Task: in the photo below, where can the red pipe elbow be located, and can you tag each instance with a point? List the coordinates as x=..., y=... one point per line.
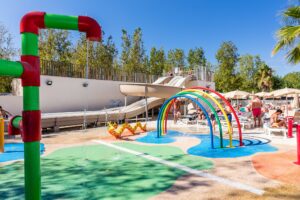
x=32, y=22
x=11, y=129
x=90, y=27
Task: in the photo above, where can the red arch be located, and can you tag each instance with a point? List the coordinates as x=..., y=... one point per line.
x=167, y=115
x=229, y=105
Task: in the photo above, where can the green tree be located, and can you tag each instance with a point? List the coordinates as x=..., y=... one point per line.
x=55, y=45
x=196, y=57
x=157, y=61
x=101, y=56
x=277, y=82
x=126, y=46
x=105, y=56
x=176, y=58
x=264, y=78
x=288, y=35
x=146, y=65
x=225, y=75
x=7, y=52
x=291, y=80
x=80, y=55
x=248, y=67
x=137, y=52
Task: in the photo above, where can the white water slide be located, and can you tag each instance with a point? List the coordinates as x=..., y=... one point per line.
x=155, y=95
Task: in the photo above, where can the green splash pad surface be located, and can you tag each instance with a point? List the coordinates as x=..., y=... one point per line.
x=100, y=172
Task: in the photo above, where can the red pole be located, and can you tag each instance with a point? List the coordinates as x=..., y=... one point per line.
x=298, y=145
x=166, y=117
x=290, y=127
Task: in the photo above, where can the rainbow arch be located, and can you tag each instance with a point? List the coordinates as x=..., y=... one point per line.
x=192, y=94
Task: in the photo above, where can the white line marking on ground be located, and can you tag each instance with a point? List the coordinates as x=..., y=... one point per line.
x=218, y=179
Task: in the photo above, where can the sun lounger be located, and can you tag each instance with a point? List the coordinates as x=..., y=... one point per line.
x=269, y=130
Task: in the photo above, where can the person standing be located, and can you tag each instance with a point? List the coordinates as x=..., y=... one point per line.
x=229, y=115
x=200, y=114
x=256, y=106
x=176, y=110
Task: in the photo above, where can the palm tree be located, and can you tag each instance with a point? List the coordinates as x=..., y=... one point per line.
x=288, y=35
x=264, y=78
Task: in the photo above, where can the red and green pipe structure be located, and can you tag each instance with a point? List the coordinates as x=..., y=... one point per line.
x=193, y=95
x=29, y=125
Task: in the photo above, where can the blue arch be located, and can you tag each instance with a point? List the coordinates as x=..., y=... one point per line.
x=159, y=128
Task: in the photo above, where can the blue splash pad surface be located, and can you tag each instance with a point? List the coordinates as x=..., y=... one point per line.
x=152, y=138
x=15, y=151
x=251, y=146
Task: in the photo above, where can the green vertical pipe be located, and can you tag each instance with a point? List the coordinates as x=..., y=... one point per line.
x=32, y=149
x=10, y=68
x=32, y=170
x=31, y=98
x=30, y=44
x=61, y=21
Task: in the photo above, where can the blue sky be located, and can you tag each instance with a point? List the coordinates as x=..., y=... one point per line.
x=250, y=24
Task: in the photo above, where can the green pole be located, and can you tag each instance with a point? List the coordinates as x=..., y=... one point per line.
x=10, y=68
x=32, y=168
x=32, y=149
x=61, y=21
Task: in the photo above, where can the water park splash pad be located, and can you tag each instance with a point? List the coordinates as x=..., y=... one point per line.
x=250, y=147
x=211, y=145
x=15, y=151
x=196, y=94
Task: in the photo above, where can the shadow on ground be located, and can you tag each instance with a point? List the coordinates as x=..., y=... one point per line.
x=98, y=172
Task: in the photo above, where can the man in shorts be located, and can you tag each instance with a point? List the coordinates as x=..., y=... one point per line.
x=256, y=106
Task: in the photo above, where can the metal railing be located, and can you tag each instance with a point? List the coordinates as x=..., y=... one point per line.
x=201, y=73
x=64, y=69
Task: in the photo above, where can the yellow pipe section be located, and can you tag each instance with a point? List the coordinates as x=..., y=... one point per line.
x=1, y=135
x=204, y=94
x=164, y=118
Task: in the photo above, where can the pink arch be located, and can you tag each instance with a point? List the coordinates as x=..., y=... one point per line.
x=229, y=105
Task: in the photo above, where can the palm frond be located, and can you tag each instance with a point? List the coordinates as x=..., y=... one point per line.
x=287, y=37
x=291, y=16
x=288, y=33
x=293, y=12
x=293, y=56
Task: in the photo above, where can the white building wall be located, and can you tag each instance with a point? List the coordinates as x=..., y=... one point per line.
x=13, y=104
x=68, y=94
